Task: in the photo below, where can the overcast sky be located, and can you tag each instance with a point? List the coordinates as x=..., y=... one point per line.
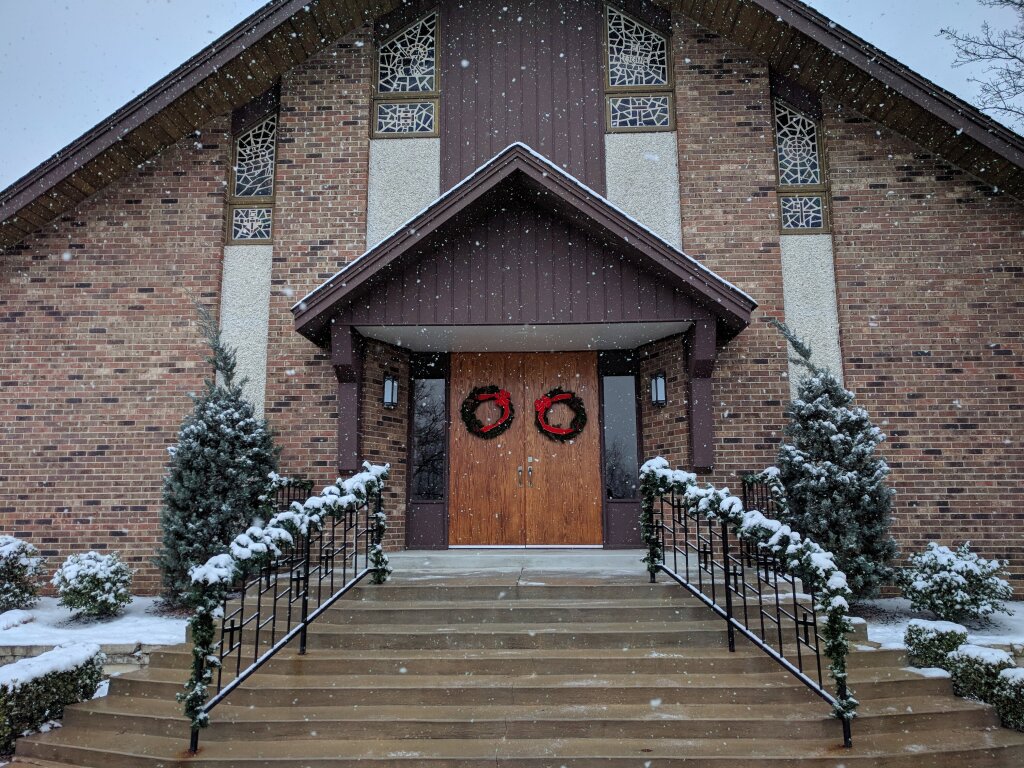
x=65, y=65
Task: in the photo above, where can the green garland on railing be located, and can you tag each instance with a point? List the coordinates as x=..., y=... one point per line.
x=651, y=486
x=802, y=558
x=770, y=477
x=212, y=581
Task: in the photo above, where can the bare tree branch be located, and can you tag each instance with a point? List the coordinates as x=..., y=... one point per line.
x=1002, y=53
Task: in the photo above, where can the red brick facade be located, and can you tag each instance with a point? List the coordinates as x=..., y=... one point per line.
x=100, y=348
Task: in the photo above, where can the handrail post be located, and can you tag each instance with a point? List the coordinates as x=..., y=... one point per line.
x=728, y=592
x=305, y=595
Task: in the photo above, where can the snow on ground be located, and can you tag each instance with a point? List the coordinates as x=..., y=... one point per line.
x=53, y=624
x=887, y=620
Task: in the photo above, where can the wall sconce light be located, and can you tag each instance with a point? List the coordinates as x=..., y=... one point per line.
x=390, y=392
x=658, y=397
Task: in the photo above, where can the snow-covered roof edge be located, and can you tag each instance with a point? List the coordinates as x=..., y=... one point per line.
x=300, y=304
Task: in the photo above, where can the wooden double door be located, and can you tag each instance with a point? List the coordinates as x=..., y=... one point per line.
x=522, y=488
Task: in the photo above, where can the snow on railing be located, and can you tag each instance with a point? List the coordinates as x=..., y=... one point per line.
x=311, y=552
x=770, y=549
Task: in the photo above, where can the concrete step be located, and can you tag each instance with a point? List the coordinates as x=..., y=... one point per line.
x=527, y=611
x=925, y=749
x=322, y=690
x=519, y=721
x=411, y=591
x=497, y=661
x=693, y=634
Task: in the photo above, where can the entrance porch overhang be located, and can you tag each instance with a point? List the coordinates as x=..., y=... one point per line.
x=520, y=256
x=579, y=337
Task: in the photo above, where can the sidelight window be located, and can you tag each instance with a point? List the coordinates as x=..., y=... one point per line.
x=429, y=440
x=620, y=437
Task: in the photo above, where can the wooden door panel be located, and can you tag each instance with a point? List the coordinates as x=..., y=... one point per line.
x=485, y=498
x=563, y=497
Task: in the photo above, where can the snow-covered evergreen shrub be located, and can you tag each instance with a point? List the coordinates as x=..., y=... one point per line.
x=975, y=670
x=218, y=480
x=834, y=479
x=1009, y=698
x=21, y=567
x=930, y=642
x=35, y=690
x=956, y=586
x=95, y=584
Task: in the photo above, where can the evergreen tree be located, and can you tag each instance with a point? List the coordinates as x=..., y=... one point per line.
x=834, y=479
x=217, y=481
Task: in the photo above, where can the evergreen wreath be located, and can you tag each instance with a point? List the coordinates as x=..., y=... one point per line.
x=482, y=395
x=561, y=434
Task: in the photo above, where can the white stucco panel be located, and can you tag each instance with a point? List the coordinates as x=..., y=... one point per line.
x=245, y=314
x=809, y=293
x=642, y=175
x=405, y=177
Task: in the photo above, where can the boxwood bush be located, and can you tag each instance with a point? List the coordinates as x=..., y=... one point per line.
x=95, y=584
x=975, y=670
x=36, y=690
x=955, y=586
x=21, y=568
x=1009, y=698
x=930, y=642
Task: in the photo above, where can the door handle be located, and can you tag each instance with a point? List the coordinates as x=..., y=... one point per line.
x=529, y=475
x=520, y=476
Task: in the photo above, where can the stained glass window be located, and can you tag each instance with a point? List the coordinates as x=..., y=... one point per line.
x=637, y=61
x=405, y=117
x=796, y=138
x=254, y=160
x=407, y=63
x=802, y=211
x=632, y=112
x=251, y=223
x=637, y=56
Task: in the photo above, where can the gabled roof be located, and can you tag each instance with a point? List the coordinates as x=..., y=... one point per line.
x=792, y=37
x=565, y=194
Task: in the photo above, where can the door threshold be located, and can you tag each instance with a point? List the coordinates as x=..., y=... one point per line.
x=526, y=546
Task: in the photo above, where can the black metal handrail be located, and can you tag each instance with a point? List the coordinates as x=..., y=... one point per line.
x=267, y=609
x=749, y=587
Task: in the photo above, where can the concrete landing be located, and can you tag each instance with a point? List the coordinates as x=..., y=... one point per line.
x=520, y=567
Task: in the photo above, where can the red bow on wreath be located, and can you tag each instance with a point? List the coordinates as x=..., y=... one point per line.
x=543, y=404
x=504, y=400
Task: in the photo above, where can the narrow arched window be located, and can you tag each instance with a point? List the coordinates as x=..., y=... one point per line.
x=407, y=89
x=802, y=198
x=639, y=75
x=251, y=190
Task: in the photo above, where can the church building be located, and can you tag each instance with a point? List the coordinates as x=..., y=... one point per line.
x=515, y=249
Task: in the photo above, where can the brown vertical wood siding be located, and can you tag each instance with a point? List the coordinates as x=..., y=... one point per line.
x=513, y=266
x=535, y=74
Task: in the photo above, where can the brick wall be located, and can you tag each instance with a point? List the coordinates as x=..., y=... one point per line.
x=930, y=273
x=665, y=430
x=99, y=351
x=319, y=225
x=727, y=177
x=385, y=431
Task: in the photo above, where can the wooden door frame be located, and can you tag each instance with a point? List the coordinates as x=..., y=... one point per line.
x=436, y=513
